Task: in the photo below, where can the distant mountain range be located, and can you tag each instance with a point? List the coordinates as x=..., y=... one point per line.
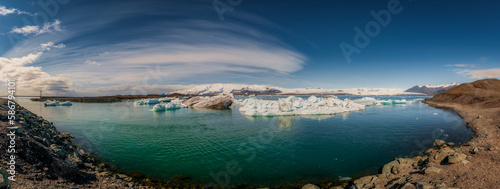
x=431, y=89
x=210, y=89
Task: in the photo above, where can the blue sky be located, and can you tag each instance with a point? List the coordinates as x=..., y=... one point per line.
x=69, y=47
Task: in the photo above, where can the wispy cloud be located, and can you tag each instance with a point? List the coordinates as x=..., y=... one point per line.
x=460, y=65
x=49, y=27
x=478, y=74
x=91, y=62
x=190, y=50
x=6, y=11
x=50, y=45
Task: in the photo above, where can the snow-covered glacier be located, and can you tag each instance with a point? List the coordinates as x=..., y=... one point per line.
x=297, y=106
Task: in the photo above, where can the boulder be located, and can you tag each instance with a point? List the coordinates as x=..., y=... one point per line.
x=432, y=170
x=423, y=185
x=475, y=150
x=59, y=151
x=121, y=176
x=456, y=157
x=387, y=169
x=441, y=155
x=408, y=186
x=450, y=144
x=310, y=186
x=75, y=160
x=4, y=178
x=365, y=180
x=439, y=143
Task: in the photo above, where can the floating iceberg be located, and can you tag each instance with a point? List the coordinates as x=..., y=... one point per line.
x=159, y=107
x=51, y=103
x=220, y=101
x=370, y=101
x=178, y=102
x=399, y=101
x=57, y=103
x=298, y=106
x=367, y=101
x=386, y=102
x=146, y=101
x=67, y=103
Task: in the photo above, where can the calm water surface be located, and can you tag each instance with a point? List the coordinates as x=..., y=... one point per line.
x=203, y=144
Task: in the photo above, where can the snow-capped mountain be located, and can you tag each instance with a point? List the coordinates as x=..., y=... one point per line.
x=432, y=89
x=210, y=89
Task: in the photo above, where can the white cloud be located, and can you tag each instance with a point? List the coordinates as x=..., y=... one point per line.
x=92, y=62
x=48, y=46
x=477, y=74
x=49, y=27
x=6, y=11
x=130, y=89
x=31, y=79
x=14, y=62
x=275, y=59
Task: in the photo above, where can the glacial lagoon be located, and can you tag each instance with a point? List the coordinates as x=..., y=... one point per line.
x=226, y=146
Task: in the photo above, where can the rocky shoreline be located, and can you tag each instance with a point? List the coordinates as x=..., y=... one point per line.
x=475, y=164
x=46, y=158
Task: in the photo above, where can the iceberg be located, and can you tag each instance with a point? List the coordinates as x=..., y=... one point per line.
x=51, y=103
x=146, y=101
x=386, y=102
x=220, y=101
x=67, y=103
x=164, y=107
x=399, y=101
x=297, y=106
x=367, y=101
x=57, y=103
x=158, y=108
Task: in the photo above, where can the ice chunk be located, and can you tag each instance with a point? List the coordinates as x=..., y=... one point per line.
x=147, y=101
x=399, y=101
x=158, y=108
x=52, y=103
x=67, y=103
x=386, y=102
x=297, y=106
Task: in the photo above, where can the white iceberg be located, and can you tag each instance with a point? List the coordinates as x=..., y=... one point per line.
x=67, y=103
x=367, y=101
x=57, y=103
x=146, y=101
x=399, y=101
x=297, y=106
x=158, y=108
x=51, y=103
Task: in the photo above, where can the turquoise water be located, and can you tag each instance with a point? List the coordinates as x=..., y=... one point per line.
x=227, y=147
